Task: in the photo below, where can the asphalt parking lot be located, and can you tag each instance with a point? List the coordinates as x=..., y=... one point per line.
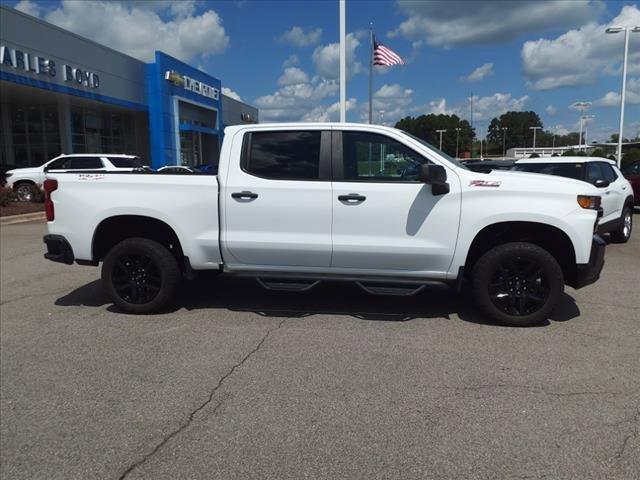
x=237, y=382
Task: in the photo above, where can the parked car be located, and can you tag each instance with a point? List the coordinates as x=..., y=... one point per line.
x=176, y=169
x=632, y=173
x=295, y=204
x=487, y=165
x=23, y=180
x=616, y=191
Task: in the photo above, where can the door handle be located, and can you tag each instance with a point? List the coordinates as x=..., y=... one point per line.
x=244, y=194
x=352, y=197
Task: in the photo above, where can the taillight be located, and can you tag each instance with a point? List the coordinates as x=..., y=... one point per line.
x=49, y=186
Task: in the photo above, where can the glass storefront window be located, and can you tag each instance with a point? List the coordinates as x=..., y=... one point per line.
x=35, y=134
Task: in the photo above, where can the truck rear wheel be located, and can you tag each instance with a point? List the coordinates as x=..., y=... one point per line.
x=517, y=284
x=140, y=275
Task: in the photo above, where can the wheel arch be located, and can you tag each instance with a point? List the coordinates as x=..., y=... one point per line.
x=113, y=230
x=546, y=236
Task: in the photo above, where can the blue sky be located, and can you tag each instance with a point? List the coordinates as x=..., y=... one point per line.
x=282, y=56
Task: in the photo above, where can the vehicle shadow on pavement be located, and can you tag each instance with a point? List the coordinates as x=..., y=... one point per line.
x=328, y=298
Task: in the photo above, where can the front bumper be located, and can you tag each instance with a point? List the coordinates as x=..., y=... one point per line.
x=588, y=273
x=58, y=249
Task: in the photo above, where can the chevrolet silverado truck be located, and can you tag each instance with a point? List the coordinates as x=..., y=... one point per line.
x=295, y=204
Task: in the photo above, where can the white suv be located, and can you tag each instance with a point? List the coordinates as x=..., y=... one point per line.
x=617, y=193
x=23, y=180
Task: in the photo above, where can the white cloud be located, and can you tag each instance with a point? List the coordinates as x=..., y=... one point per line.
x=485, y=108
x=296, y=101
x=578, y=57
x=293, y=76
x=326, y=58
x=298, y=37
x=328, y=114
x=394, y=100
x=459, y=22
x=479, y=73
x=551, y=110
x=612, y=99
x=291, y=61
x=230, y=93
x=140, y=28
x=28, y=7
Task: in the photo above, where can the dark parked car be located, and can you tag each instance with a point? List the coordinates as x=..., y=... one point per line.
x=632, y=173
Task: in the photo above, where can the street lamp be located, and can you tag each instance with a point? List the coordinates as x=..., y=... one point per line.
x=553, y=143
x=583, y=119
x=457, y=138
x=534, y=136
x=504, y=141
x=441, y=132
x=626, y=31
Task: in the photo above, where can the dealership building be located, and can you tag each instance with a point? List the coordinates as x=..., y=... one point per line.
x=62, y=93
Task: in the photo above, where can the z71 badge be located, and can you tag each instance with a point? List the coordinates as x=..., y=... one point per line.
x=484, y=183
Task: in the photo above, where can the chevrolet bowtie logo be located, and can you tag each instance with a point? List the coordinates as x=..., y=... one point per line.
x=174, y=77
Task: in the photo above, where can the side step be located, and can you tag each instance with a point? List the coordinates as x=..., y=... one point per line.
x=399, y=289
x=287, y=285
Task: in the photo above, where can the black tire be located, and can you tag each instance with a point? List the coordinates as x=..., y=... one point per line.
x=140, y=275
x=517, y=284
x=623, y=233
x=24, y=191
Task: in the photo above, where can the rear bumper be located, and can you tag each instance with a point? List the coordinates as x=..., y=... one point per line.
x=588, y=273
x=58, y=249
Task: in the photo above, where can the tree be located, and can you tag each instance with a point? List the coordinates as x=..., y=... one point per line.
x=599, y=152
x=425, y=127
x=569, y=153
x=630, y=156
x=518, y=133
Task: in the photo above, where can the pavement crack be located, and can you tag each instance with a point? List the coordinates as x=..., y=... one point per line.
x=199, y=408
x=636, y=431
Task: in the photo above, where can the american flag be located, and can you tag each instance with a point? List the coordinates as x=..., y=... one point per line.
x=385, y=56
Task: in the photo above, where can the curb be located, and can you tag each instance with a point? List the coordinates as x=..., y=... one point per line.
x=26, y=217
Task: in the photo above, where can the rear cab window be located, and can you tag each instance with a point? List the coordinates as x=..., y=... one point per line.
x=284, y=155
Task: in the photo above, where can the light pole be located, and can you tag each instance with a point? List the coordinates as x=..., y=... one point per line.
x=534, y=136
x=626, y=31
x=457, y=138
x=504, y=141
x=583, y=119
x=441, y=132
x=581, y=107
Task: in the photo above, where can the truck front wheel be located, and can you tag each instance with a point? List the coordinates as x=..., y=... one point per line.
x=517, y=284
x=140, y=275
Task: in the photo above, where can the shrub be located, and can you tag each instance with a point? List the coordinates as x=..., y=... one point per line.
x=6, y=196
x=534, y=155
x=630, y=156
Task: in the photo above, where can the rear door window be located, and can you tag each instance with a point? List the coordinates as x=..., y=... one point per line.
x=594, y=172
x=288, y=155
x=84, y=163
x=608, y=172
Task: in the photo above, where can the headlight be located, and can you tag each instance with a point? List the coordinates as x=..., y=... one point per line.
x=591, y=202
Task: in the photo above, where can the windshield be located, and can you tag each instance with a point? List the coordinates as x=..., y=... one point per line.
x=439, y=152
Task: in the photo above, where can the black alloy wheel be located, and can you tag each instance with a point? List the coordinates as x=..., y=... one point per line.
x=517, y=283
x=519, y=286
x=136, y=278
x=140, y=275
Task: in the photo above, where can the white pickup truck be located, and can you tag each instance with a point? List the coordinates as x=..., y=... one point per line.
x=294, y=204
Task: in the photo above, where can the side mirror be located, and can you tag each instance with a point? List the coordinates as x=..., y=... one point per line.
x=436, y=176
x=601, y=183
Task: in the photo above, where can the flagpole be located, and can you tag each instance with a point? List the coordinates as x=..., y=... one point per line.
x=343, y=63
x=370, y=73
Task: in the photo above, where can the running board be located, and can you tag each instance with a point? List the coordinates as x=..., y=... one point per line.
x=399, y=290
x=287, y=285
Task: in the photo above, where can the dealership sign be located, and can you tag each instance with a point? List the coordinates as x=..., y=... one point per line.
x=192, y=85
x=19, y=60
